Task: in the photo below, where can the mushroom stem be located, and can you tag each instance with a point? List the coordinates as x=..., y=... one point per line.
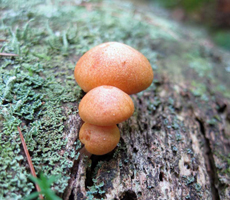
x=83, y=152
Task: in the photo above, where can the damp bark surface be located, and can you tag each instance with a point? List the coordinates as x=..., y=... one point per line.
x=175, y=146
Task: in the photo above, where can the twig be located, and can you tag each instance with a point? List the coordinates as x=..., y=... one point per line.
x=29, y=160
x=8, y=54
x=2, y=40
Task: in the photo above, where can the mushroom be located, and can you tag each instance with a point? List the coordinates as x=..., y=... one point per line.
x=99, y=140
x=105, y=106
x=114, y=64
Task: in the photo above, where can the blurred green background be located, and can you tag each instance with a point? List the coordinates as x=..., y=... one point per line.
x=213, y=14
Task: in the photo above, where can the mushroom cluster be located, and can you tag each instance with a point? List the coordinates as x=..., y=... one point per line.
x=109, y=73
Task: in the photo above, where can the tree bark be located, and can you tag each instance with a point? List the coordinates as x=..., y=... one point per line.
x=168, y=150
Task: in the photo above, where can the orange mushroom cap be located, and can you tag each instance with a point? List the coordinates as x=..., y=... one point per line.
x=114, y=64
x=99, y=140
x=105, y=106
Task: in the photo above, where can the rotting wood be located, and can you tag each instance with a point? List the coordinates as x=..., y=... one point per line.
x=161, y=154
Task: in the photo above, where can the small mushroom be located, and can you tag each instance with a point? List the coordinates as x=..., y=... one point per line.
x=99, y=140
x=114, y=64
x=105, y=106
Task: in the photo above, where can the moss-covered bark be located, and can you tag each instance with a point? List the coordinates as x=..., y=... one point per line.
x=175, y=146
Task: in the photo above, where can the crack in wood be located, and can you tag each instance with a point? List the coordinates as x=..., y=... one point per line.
x=211, y=169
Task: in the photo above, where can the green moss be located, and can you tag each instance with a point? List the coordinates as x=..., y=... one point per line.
x=198, y=187
x=221, y=38
x=225, y=159
x=178, y=136
x=33, y=103
x=189, y=180
x=212, y=122
x=201, y=65
x=37, y=88
x=200, y=90
x=96, y=189
x=222, y=89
